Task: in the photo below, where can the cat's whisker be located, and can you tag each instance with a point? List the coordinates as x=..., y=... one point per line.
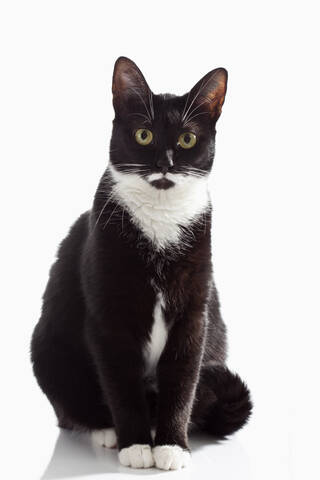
x=192, y=102
x=122, y=219
x=202, y=86
x=147, y=119
x=133, y=172
x=113, y=211
x=144, y=103
x=109, y=198
x=196, y=172
x=193, y=174
x=185, y=105
x=151, y=104
x=189, y=119
x=132, y=165
x=204, y=218
x=194, y=109
x=195, y=168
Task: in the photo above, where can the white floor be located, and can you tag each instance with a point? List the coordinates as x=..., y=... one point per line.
x=75, y=456
x=66, y=455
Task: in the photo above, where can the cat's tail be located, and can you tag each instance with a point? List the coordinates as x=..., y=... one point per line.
x=223, y=404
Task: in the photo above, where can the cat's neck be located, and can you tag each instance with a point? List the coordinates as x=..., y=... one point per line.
x=161, y=214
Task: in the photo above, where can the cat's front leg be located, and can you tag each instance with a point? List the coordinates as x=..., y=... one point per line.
x=178, y=373
x=119, y=365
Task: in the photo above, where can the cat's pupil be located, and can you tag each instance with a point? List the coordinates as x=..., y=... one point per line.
x=144, y=135
x=187, y=138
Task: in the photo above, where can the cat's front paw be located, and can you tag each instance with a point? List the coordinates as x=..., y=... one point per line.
x=136, y=456
x=170, y=457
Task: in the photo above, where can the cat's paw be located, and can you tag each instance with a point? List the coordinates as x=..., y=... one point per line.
x=170, y=457
x=105, y=438
x=136, y=456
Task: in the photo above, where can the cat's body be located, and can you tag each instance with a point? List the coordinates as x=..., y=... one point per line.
x=131, y=334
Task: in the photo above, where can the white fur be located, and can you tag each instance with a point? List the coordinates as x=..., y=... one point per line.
x=170, y=457
x=136, y=456
x=169, y=154
x=154, y=176
x=105, y=438
x=160, y=213
x=158, y=336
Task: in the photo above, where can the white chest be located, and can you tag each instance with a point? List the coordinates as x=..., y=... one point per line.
x=160, y=214
x=158, y=336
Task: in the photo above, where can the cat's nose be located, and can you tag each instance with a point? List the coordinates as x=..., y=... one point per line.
x=165, y=162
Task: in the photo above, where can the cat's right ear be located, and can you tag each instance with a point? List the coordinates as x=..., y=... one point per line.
x=128, y=85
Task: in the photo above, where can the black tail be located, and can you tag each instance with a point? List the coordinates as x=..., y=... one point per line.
x=223, y=403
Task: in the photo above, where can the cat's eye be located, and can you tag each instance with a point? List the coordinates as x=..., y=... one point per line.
x=187, y=140
x=143, y=136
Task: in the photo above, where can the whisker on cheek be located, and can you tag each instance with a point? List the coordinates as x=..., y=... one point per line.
x=131, y=165
x=134, y=172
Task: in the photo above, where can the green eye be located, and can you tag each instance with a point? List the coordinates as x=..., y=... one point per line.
x=187, y=140
x=143, y=136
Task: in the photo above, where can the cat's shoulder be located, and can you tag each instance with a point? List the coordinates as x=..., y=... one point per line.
x=76, y=236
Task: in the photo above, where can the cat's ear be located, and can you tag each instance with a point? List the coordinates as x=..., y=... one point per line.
x=129, y=84
x=208, y=94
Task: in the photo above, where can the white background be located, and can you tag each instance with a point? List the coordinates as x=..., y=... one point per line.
x=56, y=66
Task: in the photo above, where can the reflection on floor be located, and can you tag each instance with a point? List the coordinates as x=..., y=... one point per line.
x=75, y=456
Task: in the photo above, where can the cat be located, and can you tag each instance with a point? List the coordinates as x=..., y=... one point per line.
x=130, y=336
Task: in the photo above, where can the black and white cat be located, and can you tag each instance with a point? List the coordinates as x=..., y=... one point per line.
x=131, y=336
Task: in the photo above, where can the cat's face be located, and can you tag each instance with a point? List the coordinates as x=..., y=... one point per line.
x=164, y=139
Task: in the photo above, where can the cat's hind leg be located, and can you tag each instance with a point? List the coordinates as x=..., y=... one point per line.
x=105, y=438
x=222, y=403
x=66, y=376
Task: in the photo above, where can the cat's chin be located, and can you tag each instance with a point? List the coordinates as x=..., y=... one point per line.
x=162, y=183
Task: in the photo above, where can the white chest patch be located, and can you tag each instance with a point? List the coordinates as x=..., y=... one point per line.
x=160, y=213
x=158, y=336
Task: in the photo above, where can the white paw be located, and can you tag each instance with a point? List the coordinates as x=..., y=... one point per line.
x=105, y=438
x=136, y=456
x=170, y=457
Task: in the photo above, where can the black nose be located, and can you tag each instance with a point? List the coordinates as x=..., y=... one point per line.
x=165, y=162
x=164, y=168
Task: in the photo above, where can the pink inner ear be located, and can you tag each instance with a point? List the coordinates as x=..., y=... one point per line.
x=210, y=91
x=126, y=77
x=122, y=80
x=126, y=82
x=216, y=100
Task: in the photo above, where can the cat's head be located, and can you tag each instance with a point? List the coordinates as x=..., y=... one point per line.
x=165, y=139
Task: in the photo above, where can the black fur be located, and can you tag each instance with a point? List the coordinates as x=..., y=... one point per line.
x=98, y=305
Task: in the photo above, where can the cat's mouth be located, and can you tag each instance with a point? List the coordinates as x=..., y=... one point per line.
x=160, y=181
x=163, y=183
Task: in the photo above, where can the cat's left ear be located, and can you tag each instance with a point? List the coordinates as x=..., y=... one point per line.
x=209, y=94
x=128, y=84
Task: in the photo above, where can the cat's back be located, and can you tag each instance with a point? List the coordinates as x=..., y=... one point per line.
x=63, y=304
x=58, y=350
x=73, y=243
